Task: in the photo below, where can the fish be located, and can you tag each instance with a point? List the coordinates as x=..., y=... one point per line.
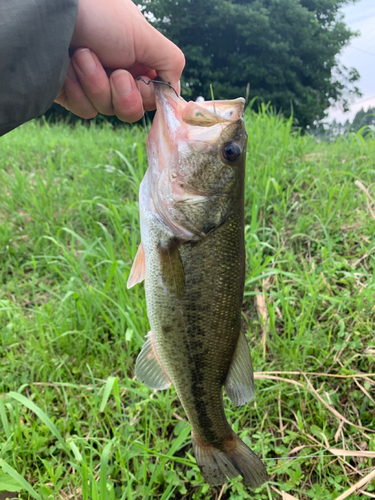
x=192, y=258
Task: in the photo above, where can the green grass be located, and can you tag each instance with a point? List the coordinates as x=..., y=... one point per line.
x=74, y=421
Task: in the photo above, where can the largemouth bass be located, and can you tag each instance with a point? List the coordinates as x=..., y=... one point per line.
x=192, y=258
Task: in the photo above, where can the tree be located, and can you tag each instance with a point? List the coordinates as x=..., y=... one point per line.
x=364, y=119
x=285, y=49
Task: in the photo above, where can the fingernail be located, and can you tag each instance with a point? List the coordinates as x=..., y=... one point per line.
x=123, y=83
x=85, y=61
x=71, y=73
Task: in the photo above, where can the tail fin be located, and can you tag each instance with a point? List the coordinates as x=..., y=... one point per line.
x=232, y=460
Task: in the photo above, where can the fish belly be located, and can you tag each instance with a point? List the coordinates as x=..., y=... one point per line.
x=196, y=334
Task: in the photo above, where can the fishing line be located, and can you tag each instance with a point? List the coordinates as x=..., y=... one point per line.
x=143, y=109
x=159, y=81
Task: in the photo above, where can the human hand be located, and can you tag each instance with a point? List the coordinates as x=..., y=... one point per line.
x=113, y=44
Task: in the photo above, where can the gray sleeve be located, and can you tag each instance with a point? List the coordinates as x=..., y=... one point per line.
x=34, y=42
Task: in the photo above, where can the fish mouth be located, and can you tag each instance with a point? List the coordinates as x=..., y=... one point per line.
x=174, y=111
x=201, y=125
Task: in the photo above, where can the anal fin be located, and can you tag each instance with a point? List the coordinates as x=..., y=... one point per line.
x=148, y=368
x=239, y=384
x=138, y=270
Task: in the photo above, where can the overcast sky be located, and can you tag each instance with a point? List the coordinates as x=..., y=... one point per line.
x=360, y=54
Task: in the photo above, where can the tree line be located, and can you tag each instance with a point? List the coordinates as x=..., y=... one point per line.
x=363, y=122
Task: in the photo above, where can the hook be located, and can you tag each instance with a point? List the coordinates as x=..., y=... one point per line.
x=158, y=81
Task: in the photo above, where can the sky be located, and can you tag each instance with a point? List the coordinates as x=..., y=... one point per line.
x=360, y=54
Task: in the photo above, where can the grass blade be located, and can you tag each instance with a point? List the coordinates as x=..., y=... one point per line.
x=103, y=470
x=4, y=419
x=43, y=417
x=20, y=480
x=107, y=392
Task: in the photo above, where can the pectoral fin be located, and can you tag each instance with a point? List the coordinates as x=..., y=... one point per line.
x=148, y=368
x=138, y=271
x=173, y=275
x=239, y=383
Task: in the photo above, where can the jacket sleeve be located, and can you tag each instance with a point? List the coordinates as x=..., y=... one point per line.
x=34, y=42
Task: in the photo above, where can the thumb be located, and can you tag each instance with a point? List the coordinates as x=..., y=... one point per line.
x=160, y=54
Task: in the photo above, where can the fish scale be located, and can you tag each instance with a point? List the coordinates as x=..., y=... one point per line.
x=205, y=323
x=192, y=258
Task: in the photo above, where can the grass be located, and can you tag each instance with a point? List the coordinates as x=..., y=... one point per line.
x=75, y=423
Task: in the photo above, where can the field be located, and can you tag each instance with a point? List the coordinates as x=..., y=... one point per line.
x=74, y=421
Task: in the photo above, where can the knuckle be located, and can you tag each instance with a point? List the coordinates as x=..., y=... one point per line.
x=95, y=88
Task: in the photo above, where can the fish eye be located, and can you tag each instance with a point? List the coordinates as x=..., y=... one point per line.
x=231, y=151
